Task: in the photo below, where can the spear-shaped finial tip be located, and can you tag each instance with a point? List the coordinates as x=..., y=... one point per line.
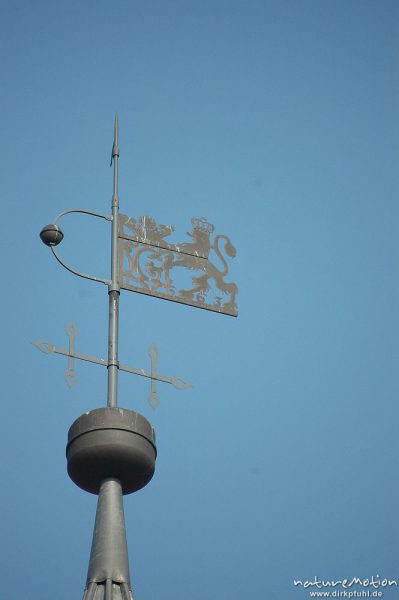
x=115, y=147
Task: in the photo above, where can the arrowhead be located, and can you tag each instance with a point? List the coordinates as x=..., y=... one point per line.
x=153, y=400
x=153, y=351
x=70, y=378
x=115, y=147
x=180, y=384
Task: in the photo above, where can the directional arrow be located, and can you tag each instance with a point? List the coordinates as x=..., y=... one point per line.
x=70, y=377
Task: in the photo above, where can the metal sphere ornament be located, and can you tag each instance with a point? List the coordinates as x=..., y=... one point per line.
x=51, y=235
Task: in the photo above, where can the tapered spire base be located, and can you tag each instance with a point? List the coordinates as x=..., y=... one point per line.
x=110, y=591
x=108, y=577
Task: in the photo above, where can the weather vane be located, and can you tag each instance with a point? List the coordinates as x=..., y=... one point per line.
x=111, y=451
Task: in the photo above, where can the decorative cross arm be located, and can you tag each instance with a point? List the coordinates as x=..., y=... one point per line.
x=70, y=377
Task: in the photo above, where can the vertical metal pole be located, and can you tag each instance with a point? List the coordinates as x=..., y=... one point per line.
x=114, y=288
x=109, y=555
x=108, y=589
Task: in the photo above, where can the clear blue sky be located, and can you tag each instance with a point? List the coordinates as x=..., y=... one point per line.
x=278, y=121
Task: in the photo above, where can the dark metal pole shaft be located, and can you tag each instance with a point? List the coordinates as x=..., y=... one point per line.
x=114, y=288
x=109, y=557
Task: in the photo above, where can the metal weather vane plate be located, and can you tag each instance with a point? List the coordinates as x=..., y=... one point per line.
x=149, y=264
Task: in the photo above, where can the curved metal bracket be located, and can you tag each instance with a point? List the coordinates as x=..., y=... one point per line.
x=83, y=211
x=58, y=257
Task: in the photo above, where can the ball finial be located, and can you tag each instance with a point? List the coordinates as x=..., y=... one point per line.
x=51, y=235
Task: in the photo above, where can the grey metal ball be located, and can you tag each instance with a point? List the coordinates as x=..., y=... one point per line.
x=51, y=235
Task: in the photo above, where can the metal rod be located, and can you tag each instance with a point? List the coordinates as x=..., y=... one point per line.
x=108, y=589
x=83, y=211
x=74, y=271
x=114, y=288
x=178, y=382
x=61, y=260
x=109, y=554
